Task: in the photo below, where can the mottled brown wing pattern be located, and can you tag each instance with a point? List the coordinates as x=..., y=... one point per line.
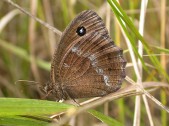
x=87, y=64
x=104, y=72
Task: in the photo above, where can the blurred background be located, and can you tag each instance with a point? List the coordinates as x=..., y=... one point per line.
x=26, y=48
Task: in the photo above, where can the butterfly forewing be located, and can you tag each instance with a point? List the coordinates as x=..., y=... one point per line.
x=86, y=63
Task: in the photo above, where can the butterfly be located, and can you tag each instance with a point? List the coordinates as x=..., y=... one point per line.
x=86, y=63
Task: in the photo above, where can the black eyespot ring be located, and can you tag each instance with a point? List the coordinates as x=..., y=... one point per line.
x=81, y=31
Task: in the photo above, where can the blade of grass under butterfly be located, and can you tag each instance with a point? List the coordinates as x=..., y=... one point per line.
x=19, y=106
x=22, y=121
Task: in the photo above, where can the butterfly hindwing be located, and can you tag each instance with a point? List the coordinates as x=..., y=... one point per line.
x=87, y=63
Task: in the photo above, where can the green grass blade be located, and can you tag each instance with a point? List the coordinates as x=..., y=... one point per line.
x=23, y=54
x=161, y=49
x=22, y=121
x=122, y=17
x=106, y=119
x=18, y=106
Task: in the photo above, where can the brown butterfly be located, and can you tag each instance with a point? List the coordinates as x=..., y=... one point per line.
x=86, y=63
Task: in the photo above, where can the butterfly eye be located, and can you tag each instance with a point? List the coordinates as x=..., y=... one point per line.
x=81, y=31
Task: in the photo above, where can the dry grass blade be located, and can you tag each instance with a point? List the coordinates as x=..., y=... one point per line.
x=35, y=18
x=139, y=80
x=49, y=18
x=148, y=94
x=7, y=18
x=32, y=36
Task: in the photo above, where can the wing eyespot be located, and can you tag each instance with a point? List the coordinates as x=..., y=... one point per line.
x=81, y=31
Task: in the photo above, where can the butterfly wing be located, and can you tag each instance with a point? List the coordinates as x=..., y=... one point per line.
x=87, y=63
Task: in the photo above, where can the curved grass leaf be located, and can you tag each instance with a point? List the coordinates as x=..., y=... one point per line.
x=106, y=119
x=123, y=18
x=19, y=106
x=21, y=121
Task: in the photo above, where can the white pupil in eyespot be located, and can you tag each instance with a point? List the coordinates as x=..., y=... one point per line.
x=81, y=30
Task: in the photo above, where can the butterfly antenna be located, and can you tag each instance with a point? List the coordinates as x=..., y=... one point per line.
x=29, y=83
x=33, y=82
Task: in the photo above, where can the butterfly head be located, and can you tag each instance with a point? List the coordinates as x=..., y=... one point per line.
x=47, y=88
x=53, y=91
